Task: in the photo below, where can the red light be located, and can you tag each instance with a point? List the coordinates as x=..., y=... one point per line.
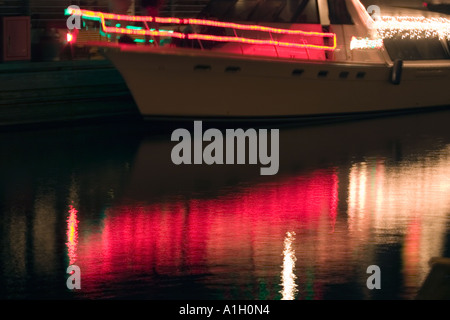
x=425, y=4
x=196, y=233
x=69, y=37
x=102, y=16
x=253, y=27
x=257, y=42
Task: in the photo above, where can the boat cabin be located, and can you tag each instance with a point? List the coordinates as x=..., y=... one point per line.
x=329, y=30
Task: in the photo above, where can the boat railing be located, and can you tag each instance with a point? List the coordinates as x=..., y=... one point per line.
x=205, y=31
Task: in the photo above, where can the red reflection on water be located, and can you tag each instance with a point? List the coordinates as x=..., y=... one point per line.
x=72, y=234
x=242, y=231
x=411, y=252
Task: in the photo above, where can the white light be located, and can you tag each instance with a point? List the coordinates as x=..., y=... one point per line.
x=413, y=27
x=287, y=274
x=365, y=43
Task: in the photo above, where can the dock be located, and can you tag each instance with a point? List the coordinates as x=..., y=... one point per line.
x=53, y=91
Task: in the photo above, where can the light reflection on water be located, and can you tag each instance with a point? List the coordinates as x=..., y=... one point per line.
x=287, y=275
x=347, y=196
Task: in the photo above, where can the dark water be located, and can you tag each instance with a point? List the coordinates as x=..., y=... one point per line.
x=108, y=199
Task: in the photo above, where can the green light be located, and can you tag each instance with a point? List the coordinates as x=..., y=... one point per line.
x=309, y=286
x=117, y=25
x=142, y=41
x=93, y=18
x=162, y=30
x=134, y=28
x=263, y=291
x=103, y=34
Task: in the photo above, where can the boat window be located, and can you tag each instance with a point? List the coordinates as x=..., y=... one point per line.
x=360, y=75
x=338, y=12
x=416, y=49
x=307, y=12
x=288, y=11
x=217, y=9
x=297, y=72
x=268, y=10
x=242, y=10
x=344, y=75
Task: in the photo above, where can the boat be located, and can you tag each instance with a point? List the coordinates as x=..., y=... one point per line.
x=280, y=59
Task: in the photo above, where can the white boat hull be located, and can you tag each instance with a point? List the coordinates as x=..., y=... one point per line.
x=176, y=82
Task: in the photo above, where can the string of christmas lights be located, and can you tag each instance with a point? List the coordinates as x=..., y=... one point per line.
x=413, y=27
x=365, y=43
x=101, y=16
